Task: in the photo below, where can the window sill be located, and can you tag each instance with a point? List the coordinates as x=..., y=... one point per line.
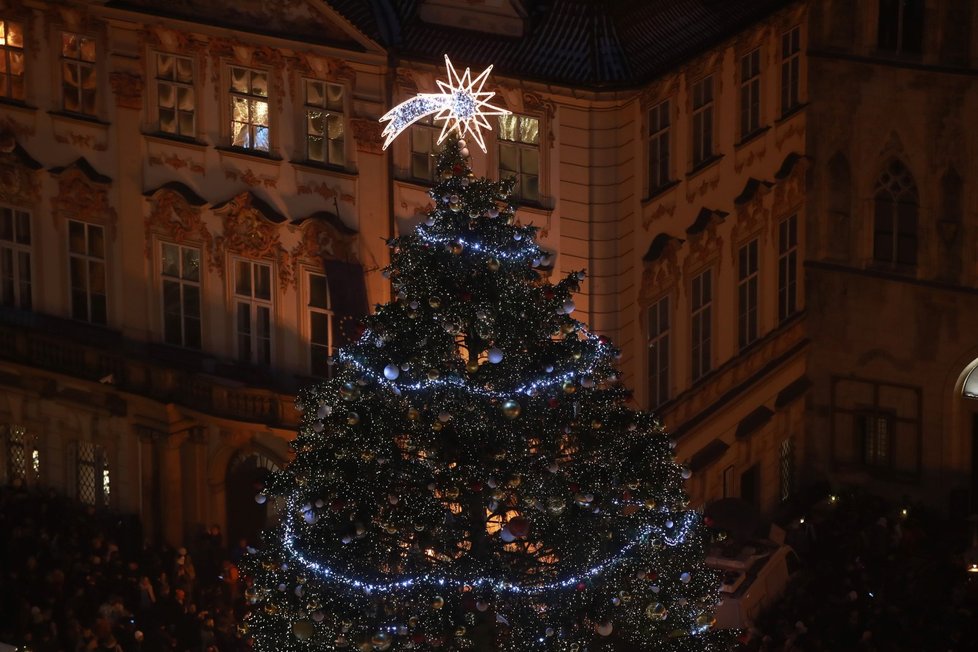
x=248, y=154
x=414, y=182
x=792, y=112
x=17, y=105
x=316, y=166
x=895, y=269
x=752, y=136
x=531, y=206
x=661, y=191
x=172, y=139
x=82, y=118
x=704, y=165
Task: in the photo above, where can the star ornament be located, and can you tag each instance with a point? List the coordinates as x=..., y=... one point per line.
x=462, y=105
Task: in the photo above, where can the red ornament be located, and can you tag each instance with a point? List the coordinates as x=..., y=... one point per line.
x=466, y=296
x=652, y=575
x=581, y=586
x=548, y=293
x=707, y=521
x=519, y=527
x=457, y=169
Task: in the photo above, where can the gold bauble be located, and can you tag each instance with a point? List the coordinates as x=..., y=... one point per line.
x=434, y=302
x=705, y=620
x=352, y=418
x=302, y=629
x=493, y=264
x=349, y=391
x=656, y=611
x=437, y=602
x=569, y=387
x=568, y=327
x=437, y=426
x=650, y=503
x=596, y=424
x=413, y=622
x=412, y=314
x=271, y=609
x=433, y=374
x=460, y=631
x=413, y=414
x=472, y=366
x=576, y=354
x=456, y=248
x=511, y=409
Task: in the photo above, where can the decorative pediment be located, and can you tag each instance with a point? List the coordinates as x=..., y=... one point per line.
x=251, y=229
x=661, y=266
x=789, y=187
x=323, y=237
x=83, y=194
x=19, y=182
x=704, y=240
x=314, y=66
x=175, y=214
x=660, y=89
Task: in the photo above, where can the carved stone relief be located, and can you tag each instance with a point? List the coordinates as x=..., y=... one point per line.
x=172, y=215
x=249, y=233
x=319, y=240
x=19, y=182
x=81, y=198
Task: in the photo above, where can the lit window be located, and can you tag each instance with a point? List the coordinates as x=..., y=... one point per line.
x=787, y=463
x=175, y=95
x=702, y=323
x=324, y=123
x=787, y=267
x=22, y=459
x=93, y=486
x=424, y=148
x=86, y=258
x=875, y=434
x=320, y=326
x=15, y=258
x=747, y=273
x=659, y=122
x=790, y=70
x=658, y=318
x=895, y=216
x=181, y=295
x=78, y=80
x=11, y=60
x=750, y=93
x=702, y=121
x=519, y=154
x=249, y=109
x=253, y=311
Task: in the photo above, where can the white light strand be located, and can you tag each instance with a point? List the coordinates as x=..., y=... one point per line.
x=458, y=382
x=522, y=252
x=674, y=538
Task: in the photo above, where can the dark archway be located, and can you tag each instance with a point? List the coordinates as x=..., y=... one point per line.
x=246, y=476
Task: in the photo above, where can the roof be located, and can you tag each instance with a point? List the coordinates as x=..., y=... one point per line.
x=585, y=43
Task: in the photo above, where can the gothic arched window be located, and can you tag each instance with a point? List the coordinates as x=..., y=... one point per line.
x=895, y=216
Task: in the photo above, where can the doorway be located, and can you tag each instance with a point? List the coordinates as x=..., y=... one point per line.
x=247, y=475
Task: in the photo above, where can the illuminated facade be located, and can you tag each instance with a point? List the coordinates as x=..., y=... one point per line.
x=191, y=216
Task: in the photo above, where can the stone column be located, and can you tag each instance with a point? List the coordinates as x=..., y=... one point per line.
x=171, y=487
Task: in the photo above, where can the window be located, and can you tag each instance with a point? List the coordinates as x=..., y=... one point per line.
x=729, y=475
x=324, y=123
x=86, y=253
x=424, y=147
x=15, y=258
x=747, y=294
x=702, y=323
x=94, y=481
x=787, y=267
x=787, y=464
x=658, y=352
x=11, y=60
x=320, y=326
x=253, y=311
x=790, y=70
x=901, y=26
x=519, y=154
x=895, y=216
x=22, y=460
x=750, y=93
x=78, y=81
x=658, y=146
x=249, y=108
x=175, y=98
x=702, y=121
x=181, y=295
x=874, y=432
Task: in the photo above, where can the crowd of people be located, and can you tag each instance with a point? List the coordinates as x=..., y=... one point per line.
x=876, y=577
x=77, y=579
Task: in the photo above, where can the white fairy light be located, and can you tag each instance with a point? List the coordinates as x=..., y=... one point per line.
x=462, y=105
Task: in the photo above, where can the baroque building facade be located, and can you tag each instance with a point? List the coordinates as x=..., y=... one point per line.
x=194, y=206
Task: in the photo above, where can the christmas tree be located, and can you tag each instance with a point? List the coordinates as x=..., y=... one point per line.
x=471, y=478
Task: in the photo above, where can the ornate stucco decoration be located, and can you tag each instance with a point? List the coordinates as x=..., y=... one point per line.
x=662, y=209
x=789, y=186
x=661, y=89
x=251, y=229
x=175, y=214
x=19, y=182
x=314, y=66
x=128, y=89
x=323, y=236
x=254, y=56
x=661, y=267
x=83, y=194
x=705, y=242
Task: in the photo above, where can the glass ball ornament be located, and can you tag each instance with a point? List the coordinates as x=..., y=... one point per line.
x=686, y=473
x=391, y=372
x=462, y=144
x=382, y=641
x=456, y=248
x=349, y=391
x=493, y=264
x=261, y=499
x=437, y=602
x=433, y=374
x=352, y=418
x=472, y=365
x=605, y=628
x=511, y=409
x=495, y=355
x=569, y=386
x=569, y=306
x=434, y=302
x=656, y=611
x=302, y=629
x=685, y=577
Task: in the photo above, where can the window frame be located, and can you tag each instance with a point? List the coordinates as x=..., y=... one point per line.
x=79, y=63
x=89, y=259
x=254, y=304
x=701, y=349
x=307, y=107
x=788, y=246
x=424, y=125
x=885, y=195
x=182, y=282
x=176, y=84
x=659, y=139
x=520, y=146
x=329, y=348
x=101, y=473
x=230, y=122
x=900, y=28
x=7, y=51
x=748, y=293
x=869, y=450
x=703, y=121
x=657, y=335
x=750, y=94
x=28, y=459
x=790, y=70
x=17, y=249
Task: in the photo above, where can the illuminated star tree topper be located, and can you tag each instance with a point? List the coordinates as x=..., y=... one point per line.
x=462, y=105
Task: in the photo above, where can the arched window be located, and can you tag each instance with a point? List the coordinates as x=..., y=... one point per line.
x=895, y=216
x=970, y=388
